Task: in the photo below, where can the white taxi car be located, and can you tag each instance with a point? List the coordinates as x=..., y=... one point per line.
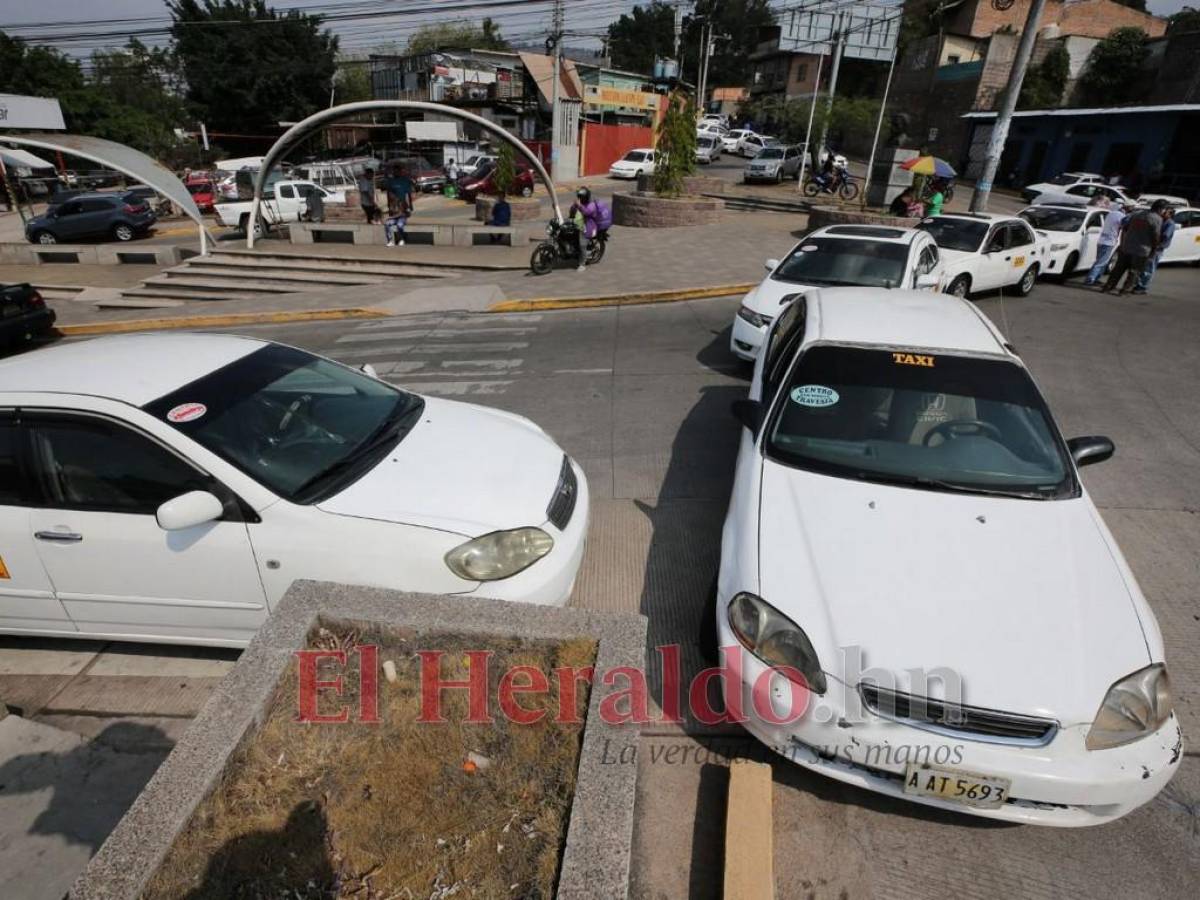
x=1071, y=233
x=1185, y=245
x=634, y=163
x=916, y=593
x=1060, y=183
x=731, y=139
x=171, y=487
x=867, y=255
x=987, y=252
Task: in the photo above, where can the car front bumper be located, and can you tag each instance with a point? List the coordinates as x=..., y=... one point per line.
x=550, y=580
x=621, y=173
x=26, y=325
x=1060, y=784
x=761, y=174
x=745, y=339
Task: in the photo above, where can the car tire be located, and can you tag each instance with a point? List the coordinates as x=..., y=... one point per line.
x=960, y=287
x=1069, y=265
x=526, y=191
x=244, y=223
x=706, y=636
x=1028, y=280
x=123, y=232
x=45, y=238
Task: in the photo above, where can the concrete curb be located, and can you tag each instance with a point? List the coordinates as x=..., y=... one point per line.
x=221, y=320
x=636, y=299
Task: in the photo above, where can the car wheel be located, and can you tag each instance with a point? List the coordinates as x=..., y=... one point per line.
x=1028, y=280
x=244, y=223
x=779, y=177
x=1069, y=265
x=527, y=191
x=123, y=232
x=707, y=636
x=45, y=237
x=960, y=286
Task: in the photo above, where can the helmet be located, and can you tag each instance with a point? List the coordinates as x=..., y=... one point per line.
x=584, y=195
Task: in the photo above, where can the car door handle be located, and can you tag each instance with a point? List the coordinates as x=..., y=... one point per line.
x=65, y=537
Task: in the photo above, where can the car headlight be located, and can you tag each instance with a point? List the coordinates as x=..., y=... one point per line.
x=499, y=554
x=1057, y=247
x=774, y=638
x=756, y=319
x=1134, y=707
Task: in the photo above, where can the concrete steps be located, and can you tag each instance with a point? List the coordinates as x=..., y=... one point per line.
x=300, y=276
x=220, y=281
x=328, y=263
x=161, y=292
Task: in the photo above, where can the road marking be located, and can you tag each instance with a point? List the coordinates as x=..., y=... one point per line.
x=583, y=371
x=392, y=350
x=356, y=338
x=483, y=363
x=454, y=388
x=484, y=346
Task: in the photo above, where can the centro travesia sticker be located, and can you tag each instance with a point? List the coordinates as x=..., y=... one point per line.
x=186, y=412
x=814, y=395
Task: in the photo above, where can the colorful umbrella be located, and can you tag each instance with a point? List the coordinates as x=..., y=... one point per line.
x=929, y=165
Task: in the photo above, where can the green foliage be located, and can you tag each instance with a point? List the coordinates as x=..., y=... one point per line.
x=243, y=78
x=740, y=21
x=506, y=171
x=1044, y=83
x=1187, y=19
x=641, y=35
x=352, y=83
x=462, y=34
x=851, y=121
x=1113, y=74
x=675, y=150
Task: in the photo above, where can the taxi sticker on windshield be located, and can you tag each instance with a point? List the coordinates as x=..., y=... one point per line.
x=912, y=359
x=809, y=248
x=814, y=395
x=3, y=569
x=186, y=412
x=1018, y=261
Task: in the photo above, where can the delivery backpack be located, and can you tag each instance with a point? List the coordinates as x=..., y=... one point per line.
x=603, y=216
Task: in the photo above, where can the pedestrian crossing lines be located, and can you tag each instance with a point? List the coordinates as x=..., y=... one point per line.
x=450, y=356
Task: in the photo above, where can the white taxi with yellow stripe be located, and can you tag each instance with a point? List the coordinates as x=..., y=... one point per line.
x=916, y=593
x=987, y=252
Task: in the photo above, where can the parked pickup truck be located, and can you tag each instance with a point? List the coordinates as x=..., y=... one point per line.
x=23, y=314
x=286, y=201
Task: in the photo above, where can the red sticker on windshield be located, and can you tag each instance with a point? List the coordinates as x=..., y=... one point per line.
x=186, y=412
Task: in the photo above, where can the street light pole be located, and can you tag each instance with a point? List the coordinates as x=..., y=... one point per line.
x=839, y=45
x=879, y=125
x=983, y=187
x=812, y=108
x=555, y=124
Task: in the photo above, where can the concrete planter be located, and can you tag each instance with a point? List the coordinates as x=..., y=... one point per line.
x=820, y=216
x=596, y=855
x=692, y=184
x=645, y=210
x=524, y=209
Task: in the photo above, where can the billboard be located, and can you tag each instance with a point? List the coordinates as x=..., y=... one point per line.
x=870, y=28
x=40, y=113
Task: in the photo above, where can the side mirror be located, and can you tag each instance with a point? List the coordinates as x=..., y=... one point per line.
x=1090, y=449
x=189, y=510
x=750, y=413
x=369, y=370
x=928, y=282
x=771, y=265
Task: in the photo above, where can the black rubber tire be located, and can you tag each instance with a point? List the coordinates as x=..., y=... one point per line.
x=960, y=286
x=779, y=177
x=1027, y=282
x=542, y=260
x=1069, y=265
x=706, y=636
x=596, y=251
x=44, y=238
x=123, y=232
x=848, y=190
x=811, y=189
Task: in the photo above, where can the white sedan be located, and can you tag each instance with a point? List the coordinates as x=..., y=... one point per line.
x=1060, y=183
x=1071, y=233
x=986, y=252
x=633, y=164
x=752, y=144
x=730, y=141
x=1185, y=246
x=916, y=594
x=171, y=487
x=867, y=255
x=1080, y=194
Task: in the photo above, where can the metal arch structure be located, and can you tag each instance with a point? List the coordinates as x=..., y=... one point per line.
x=124, y=159
x=304, y=128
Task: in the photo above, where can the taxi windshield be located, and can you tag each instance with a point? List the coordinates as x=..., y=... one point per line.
x=920, y=419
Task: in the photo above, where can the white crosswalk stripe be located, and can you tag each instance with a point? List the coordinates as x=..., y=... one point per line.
x=449, y=356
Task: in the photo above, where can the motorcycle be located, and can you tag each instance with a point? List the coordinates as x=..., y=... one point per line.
x=839, y=183
x=561, y=245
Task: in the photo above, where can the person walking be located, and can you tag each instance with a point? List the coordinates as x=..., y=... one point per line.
x=1165, y=236
x=366, y=195
x=1140, y=237
x=400, y=205
x=1106, y=242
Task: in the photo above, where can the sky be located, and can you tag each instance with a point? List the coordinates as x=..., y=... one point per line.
x=522, y=21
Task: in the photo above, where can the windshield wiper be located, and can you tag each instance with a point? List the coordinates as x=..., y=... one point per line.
x=937, y=484
x=389, y=431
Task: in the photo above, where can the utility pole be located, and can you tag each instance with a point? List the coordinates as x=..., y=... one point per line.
x=839, y=45
x=678, y=31
x=812, y=108
x=983, y=187
x=555, y=125
x=706, y=49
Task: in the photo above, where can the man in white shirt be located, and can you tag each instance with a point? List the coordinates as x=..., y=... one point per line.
x=1106, y=243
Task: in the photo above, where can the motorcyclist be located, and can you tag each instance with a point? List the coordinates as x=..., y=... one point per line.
x=586, y=216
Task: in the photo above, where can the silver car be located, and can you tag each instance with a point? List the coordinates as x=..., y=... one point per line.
x=775, y=163
x=708, y=148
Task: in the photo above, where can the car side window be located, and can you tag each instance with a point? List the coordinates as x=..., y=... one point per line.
x=997, y=241
x=73, y=208
x=1095, y=220
x=11, y=482
x=927, y=261
x=286, y=192
x=788, y=333
x=1019, y=235
x=96, y=205
x=95, y=465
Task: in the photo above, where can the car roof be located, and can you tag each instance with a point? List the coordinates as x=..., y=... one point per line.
x=894, y=234
x=978, y=217
x=901, y=318
x=133, y=368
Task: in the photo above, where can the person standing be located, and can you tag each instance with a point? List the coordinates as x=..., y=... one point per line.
x=452, y=170
x=1165, y=236
x=1106, y=242
x=934, y=206
x=1140, y=237
x=366, y=195
x=901, y=203
x=400, y=205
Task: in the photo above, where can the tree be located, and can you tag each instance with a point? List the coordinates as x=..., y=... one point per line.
x=1044, y=83
x=1113, y=74
x=506, y=171
x=44, y=72
x=352, y=83
x=737, y=25
x=136, y=99
x=1187, y=19
x=675, y=151
x=458, y=35
x=249, y=67
x=642, y=35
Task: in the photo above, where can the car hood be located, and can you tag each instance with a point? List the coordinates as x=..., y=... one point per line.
x=1024, y=599
x=462, y=468
x=766, y=298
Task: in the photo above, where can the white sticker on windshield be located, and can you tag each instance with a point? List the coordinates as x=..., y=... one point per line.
x=814, y=395
x=809, y=248
x=186, y=412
